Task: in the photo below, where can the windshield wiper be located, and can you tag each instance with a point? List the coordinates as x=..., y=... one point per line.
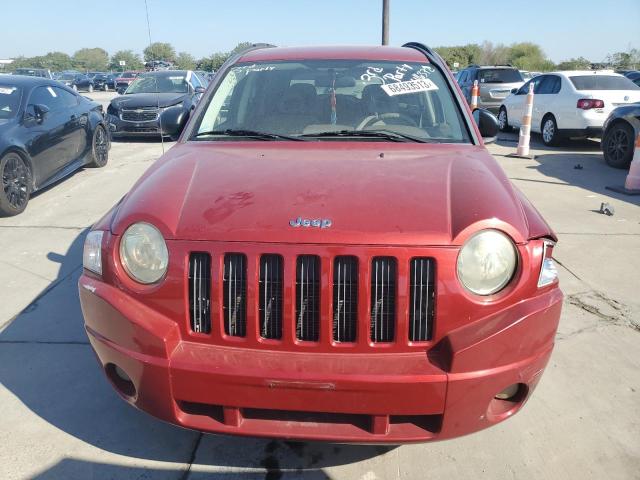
x=238, y=132
x=387, y=134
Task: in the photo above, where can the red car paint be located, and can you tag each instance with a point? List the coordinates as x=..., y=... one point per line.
x=402, y=200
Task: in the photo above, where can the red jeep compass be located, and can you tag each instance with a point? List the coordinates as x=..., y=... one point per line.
x=329, y=252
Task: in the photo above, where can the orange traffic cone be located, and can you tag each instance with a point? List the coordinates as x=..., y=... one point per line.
x=474, y=95
x=632, y=183
x=525, y=128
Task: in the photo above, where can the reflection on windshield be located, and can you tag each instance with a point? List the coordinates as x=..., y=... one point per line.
x=316, y=98
x=159, y=84
x=9, y=101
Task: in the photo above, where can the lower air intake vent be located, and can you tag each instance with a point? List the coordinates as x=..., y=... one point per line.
x=200, y=292
x=345, y=298
x=383, y=299
x=235, y=294
x=308, y=298
x=422, y=299
x=270, y=303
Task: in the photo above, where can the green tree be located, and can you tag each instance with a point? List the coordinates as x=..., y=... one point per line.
x=185, y=61
x=55, y=61
x=579, y=63
x=91, y=59
x=528, y=56
x=629, y=60
x=160, y=51
x=132, y=60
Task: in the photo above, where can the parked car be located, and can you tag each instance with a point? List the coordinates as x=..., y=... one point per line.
x=125, y=79
x=568, y=104
x=77, y=81
x=47, y=131
x=34, y=72
x=156, y=103
x=104, y=81
x=494, y=82
x=634, y=76
x=328, y=252
x=620, y=130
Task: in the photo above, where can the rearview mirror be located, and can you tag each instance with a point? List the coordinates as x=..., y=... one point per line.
x=487, y=124
x=199, y=90
x=40, y=111
x=514, y=90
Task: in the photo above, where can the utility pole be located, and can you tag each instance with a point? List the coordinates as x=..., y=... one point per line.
x=385, y=22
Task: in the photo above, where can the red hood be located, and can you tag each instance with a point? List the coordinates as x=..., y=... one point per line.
x=373, y=193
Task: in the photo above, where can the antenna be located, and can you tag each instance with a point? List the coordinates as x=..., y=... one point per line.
x=146, y=6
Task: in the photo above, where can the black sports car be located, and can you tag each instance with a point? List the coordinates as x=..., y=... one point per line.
x=47, y=131
x=155, y=104
x=620, y=130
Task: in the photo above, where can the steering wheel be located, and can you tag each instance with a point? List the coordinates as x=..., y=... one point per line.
x=401, y=119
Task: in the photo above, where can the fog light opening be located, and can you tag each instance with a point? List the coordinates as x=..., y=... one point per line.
x=120, y=380
x=510, y=392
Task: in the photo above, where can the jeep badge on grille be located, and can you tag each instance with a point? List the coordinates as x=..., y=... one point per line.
x=308, y=222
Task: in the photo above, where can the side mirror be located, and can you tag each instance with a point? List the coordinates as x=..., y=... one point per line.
x=487, y=124
x=173, y=121
x=514, y=90
x=198, y=90
x=40, y=111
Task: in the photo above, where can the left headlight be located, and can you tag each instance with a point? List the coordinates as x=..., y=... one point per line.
x=143, y=253
x=487, y=262
x=92, y=253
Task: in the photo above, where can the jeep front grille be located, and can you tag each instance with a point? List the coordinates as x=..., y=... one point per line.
x=312, y=296
x=234, y=287
x=200, y=292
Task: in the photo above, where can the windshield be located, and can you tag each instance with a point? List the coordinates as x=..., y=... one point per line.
x=128, y=75
x=9, y=101
x=67, y=76
x=152, y=83
x=602, y=82
x=500, y=75
x=316, y=98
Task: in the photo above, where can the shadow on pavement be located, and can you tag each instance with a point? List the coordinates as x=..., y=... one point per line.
x=48, y=364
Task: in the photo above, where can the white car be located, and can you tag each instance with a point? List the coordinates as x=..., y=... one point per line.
x=568, y=104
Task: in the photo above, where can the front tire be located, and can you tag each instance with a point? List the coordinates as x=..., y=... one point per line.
x=617, y=146
x=16, y=185
x=549, y=129
x=503, y=120
x=99, y=148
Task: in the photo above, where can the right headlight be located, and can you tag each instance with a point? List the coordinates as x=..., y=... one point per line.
x=143, y=253
x=487, y=262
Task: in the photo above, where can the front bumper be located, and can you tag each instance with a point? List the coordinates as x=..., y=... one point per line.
x=378, y=398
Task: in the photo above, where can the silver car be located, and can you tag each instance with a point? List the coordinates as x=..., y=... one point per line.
x=495, y=82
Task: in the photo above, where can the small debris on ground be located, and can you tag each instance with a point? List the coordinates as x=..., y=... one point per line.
x=607, y=209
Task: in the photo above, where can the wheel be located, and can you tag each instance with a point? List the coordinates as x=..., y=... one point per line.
x=99, y=148
x=90, y=88
x=16, y=184
x=503, y=120
x=617, y=145
x=550, y=135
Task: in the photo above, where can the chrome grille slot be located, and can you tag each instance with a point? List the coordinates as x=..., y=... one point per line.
x=345, y=298
x=144, y=114
x=308, y=298
x=234, y=303
x=422, y=299
x=383, y=299
x=270, y=303
x=200, y=292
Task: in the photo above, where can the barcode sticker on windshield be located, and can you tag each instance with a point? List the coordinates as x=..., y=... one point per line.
x=411, y=86
x=6, y=90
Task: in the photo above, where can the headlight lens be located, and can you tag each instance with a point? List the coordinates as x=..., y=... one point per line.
x=143, y=253
x=487, y=262
x=92, y=253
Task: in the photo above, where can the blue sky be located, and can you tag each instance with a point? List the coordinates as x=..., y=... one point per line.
x=564, y=28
